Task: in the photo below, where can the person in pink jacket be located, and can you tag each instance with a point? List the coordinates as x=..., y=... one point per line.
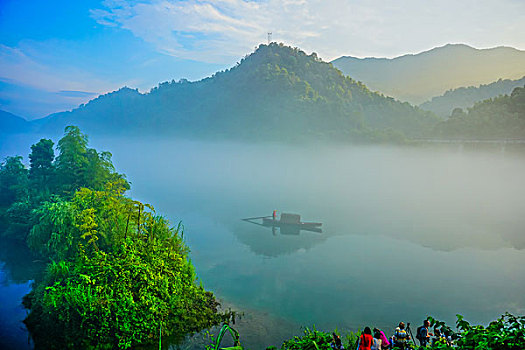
x=385, y=344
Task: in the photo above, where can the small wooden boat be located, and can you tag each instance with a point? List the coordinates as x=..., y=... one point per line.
x=288, y=223
x=288, y=220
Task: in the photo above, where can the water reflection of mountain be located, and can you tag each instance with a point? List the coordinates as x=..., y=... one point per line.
x=272, y=242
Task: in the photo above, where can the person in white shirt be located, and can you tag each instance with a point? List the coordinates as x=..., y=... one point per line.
x=376, y=345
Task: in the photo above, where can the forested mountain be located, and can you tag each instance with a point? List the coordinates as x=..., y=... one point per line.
x=10, y=123
x=465, y=97
x=502, y=117
x=277, y=92
x=417, y=78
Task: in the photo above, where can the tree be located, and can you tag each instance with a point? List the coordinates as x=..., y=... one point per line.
x=79, y=166
x=72, y=162
x=13, y=181
x=14, y=200
x=41, y=168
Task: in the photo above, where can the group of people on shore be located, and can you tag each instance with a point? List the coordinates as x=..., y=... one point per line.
x=400, y=340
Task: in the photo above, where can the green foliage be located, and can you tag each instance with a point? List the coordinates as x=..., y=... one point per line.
x=18, y=218
x=14, y=197
x=54, y=234
x=312, y=339
x=120, y=298
x=94, y=219
x=118, y=274
x=24, y=192
x=42, y=169
x=13, y=181
x=505, y=333
x=216, y=343
x=352, y=339
x=79, y=166
x=122, y=275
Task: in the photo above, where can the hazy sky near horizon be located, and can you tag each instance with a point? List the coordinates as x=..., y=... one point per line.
x=56, y=54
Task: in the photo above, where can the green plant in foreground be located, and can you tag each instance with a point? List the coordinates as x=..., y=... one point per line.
x=351, y=339
x=505, y=333
x=311, y=340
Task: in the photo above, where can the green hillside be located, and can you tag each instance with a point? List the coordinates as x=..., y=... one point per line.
x=276, y=93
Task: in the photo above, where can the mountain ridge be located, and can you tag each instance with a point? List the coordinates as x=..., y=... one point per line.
x=418, y=77
x=11, y=123
x=437, y=48
x=277, y=92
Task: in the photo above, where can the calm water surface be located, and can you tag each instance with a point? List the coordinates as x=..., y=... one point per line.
x=406, y=233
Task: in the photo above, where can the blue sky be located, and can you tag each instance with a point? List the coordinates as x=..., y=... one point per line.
x=57, y=54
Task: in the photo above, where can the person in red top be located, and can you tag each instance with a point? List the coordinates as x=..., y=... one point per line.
x=366, y=340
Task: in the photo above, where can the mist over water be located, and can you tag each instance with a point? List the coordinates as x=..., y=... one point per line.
x=407, y=232
x=441, y=199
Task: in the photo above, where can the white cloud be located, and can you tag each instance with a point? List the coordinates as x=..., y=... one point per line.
x=222, y=30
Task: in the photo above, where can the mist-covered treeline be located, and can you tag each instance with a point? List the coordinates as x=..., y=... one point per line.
x=465, y=97
x=498, y=118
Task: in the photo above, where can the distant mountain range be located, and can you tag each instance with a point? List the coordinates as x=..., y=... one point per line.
x=10, y=123
x=466, y=97
x=276, y=93
x=417, y=78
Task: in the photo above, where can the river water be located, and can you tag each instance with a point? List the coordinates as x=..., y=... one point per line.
x=406, y=232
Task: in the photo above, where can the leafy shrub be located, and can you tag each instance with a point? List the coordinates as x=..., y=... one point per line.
x=311, y=340
x=505, y=333
x=120, y=298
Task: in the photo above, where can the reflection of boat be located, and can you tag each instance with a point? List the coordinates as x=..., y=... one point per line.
x=288, y=223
